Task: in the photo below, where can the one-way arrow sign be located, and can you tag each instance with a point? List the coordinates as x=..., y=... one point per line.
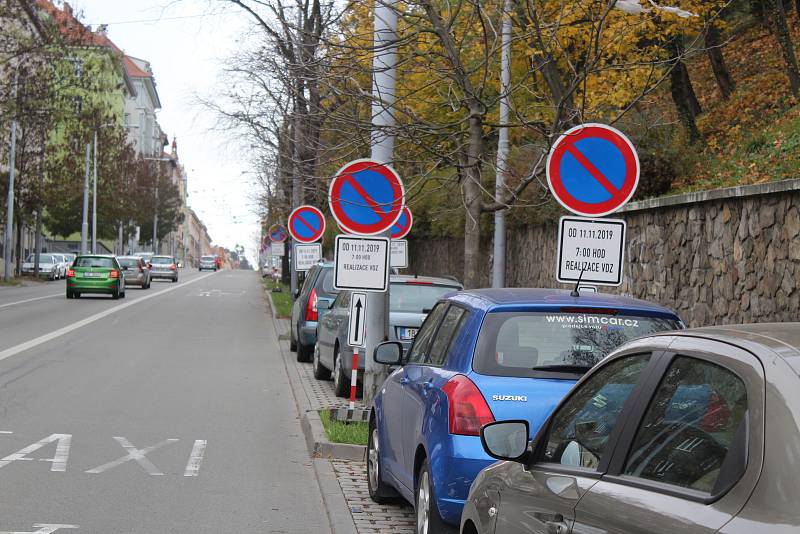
x=358, y=312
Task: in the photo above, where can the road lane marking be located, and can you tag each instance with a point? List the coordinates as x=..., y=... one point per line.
x=5, y=432
x=134, y=454
x=29, y=300
x=42, y=528
x=196, y=458
x=7, y=353
x=59, y=461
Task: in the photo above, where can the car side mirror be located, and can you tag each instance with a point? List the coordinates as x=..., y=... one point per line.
x=506, y=440
x=388, y=353
x=296, y=293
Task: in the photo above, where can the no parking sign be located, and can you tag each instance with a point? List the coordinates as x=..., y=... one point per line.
x=593, y=170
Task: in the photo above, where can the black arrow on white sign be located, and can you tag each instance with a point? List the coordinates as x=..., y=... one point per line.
x=358, y=312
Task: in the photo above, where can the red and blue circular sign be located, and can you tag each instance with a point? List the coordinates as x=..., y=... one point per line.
x=277, y=233
x=366, y=197
x=306, y=224
x=402, y=227
x=593, y=170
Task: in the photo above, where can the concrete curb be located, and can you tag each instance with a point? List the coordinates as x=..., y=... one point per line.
x=320, y=447
x=336, y=507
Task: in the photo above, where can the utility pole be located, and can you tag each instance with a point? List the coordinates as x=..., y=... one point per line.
x=94, y=198
x=499, y=266
x=384, y=72
x=85, y=219
x=297, y=179
x=155, y=216
x=37, y=240
x=9, y=236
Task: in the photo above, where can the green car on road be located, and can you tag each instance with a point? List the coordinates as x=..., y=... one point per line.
x=95, y=274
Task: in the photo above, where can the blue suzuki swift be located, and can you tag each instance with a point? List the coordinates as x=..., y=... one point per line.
x=480, y=356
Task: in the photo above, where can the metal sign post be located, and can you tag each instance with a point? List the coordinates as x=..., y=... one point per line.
x=356, y=337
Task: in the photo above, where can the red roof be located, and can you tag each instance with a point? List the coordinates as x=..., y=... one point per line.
x=77, y=34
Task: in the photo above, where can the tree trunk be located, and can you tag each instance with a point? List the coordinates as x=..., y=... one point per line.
x=472, y=201
x=721, y=73
x=778, y=14
x=683, y=95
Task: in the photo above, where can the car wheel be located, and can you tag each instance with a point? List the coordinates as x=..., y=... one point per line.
x=341, y=386
x=174, y=280
x=292, y=341
x=427, y=513
x=115, y=294
x=76, y=295
x=379, y=492
x=320, y=371
x=70, y=294
x=304, y=352
x=122, y=295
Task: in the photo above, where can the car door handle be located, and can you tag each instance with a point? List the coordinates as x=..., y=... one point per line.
x=405, y=380
x=557, y=526
x=428, y=385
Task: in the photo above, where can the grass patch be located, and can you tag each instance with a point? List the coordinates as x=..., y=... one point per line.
x=11, y=283
x=341, y=432
x=281, y=299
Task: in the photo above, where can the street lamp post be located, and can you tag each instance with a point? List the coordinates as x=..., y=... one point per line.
x=9, y=237
x=94, y=189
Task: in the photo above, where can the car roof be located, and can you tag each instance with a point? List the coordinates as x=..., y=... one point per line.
x=782, y=339
x=162, y=256
x=500, y=298
x=404, y=278
x=96, y=256
x=129, y=257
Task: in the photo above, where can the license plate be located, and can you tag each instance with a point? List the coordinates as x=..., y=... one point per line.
x=408, y=333
x=92, y=275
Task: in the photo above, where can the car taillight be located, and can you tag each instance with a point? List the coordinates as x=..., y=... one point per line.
x=419, y=283
x=113, y=274
x=173, y=267
x=467, y=409
x=70, y=273
x=311, y=306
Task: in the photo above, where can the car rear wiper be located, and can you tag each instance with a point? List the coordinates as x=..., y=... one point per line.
x=563, y=368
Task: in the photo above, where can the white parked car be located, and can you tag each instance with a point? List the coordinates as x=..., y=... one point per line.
x=63, y=264
x=48, y=266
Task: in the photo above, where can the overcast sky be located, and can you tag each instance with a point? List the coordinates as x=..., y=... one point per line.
x=186, y=43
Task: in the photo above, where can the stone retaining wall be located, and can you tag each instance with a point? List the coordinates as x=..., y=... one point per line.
x=716, y=257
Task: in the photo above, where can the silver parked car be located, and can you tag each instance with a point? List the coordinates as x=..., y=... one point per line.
x=696, y=431
x=63, y=264
x=165, y=267
x=410, y=300
x=135, y=271
x=49, y=266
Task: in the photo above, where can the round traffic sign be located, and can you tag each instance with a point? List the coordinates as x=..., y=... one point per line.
x=593, y=170
x=402, y=227
x=366, y=197
x=278, y=233
x=306, y=224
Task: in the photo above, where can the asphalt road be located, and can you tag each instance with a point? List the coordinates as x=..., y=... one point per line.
x=168, y=411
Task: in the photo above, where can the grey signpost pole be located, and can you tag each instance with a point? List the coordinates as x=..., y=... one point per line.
x=94, y=197
x=384, y=66
x=85, y=219
x=499, y=266
x=9, y=237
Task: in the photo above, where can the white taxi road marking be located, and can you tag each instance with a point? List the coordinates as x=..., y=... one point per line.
x=59, y=461
x=29, y=300
x=12, y=351
x=42, y=528
x=196, y=458
x=134, y=454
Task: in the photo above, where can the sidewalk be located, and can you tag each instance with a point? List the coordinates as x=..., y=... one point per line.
x=367, y=516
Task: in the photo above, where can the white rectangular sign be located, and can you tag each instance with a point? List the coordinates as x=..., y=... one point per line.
x=594, y=247
x=278, y=249
x=356, y=330
x=306, y=255
x=399, y=257
x=361, y=263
